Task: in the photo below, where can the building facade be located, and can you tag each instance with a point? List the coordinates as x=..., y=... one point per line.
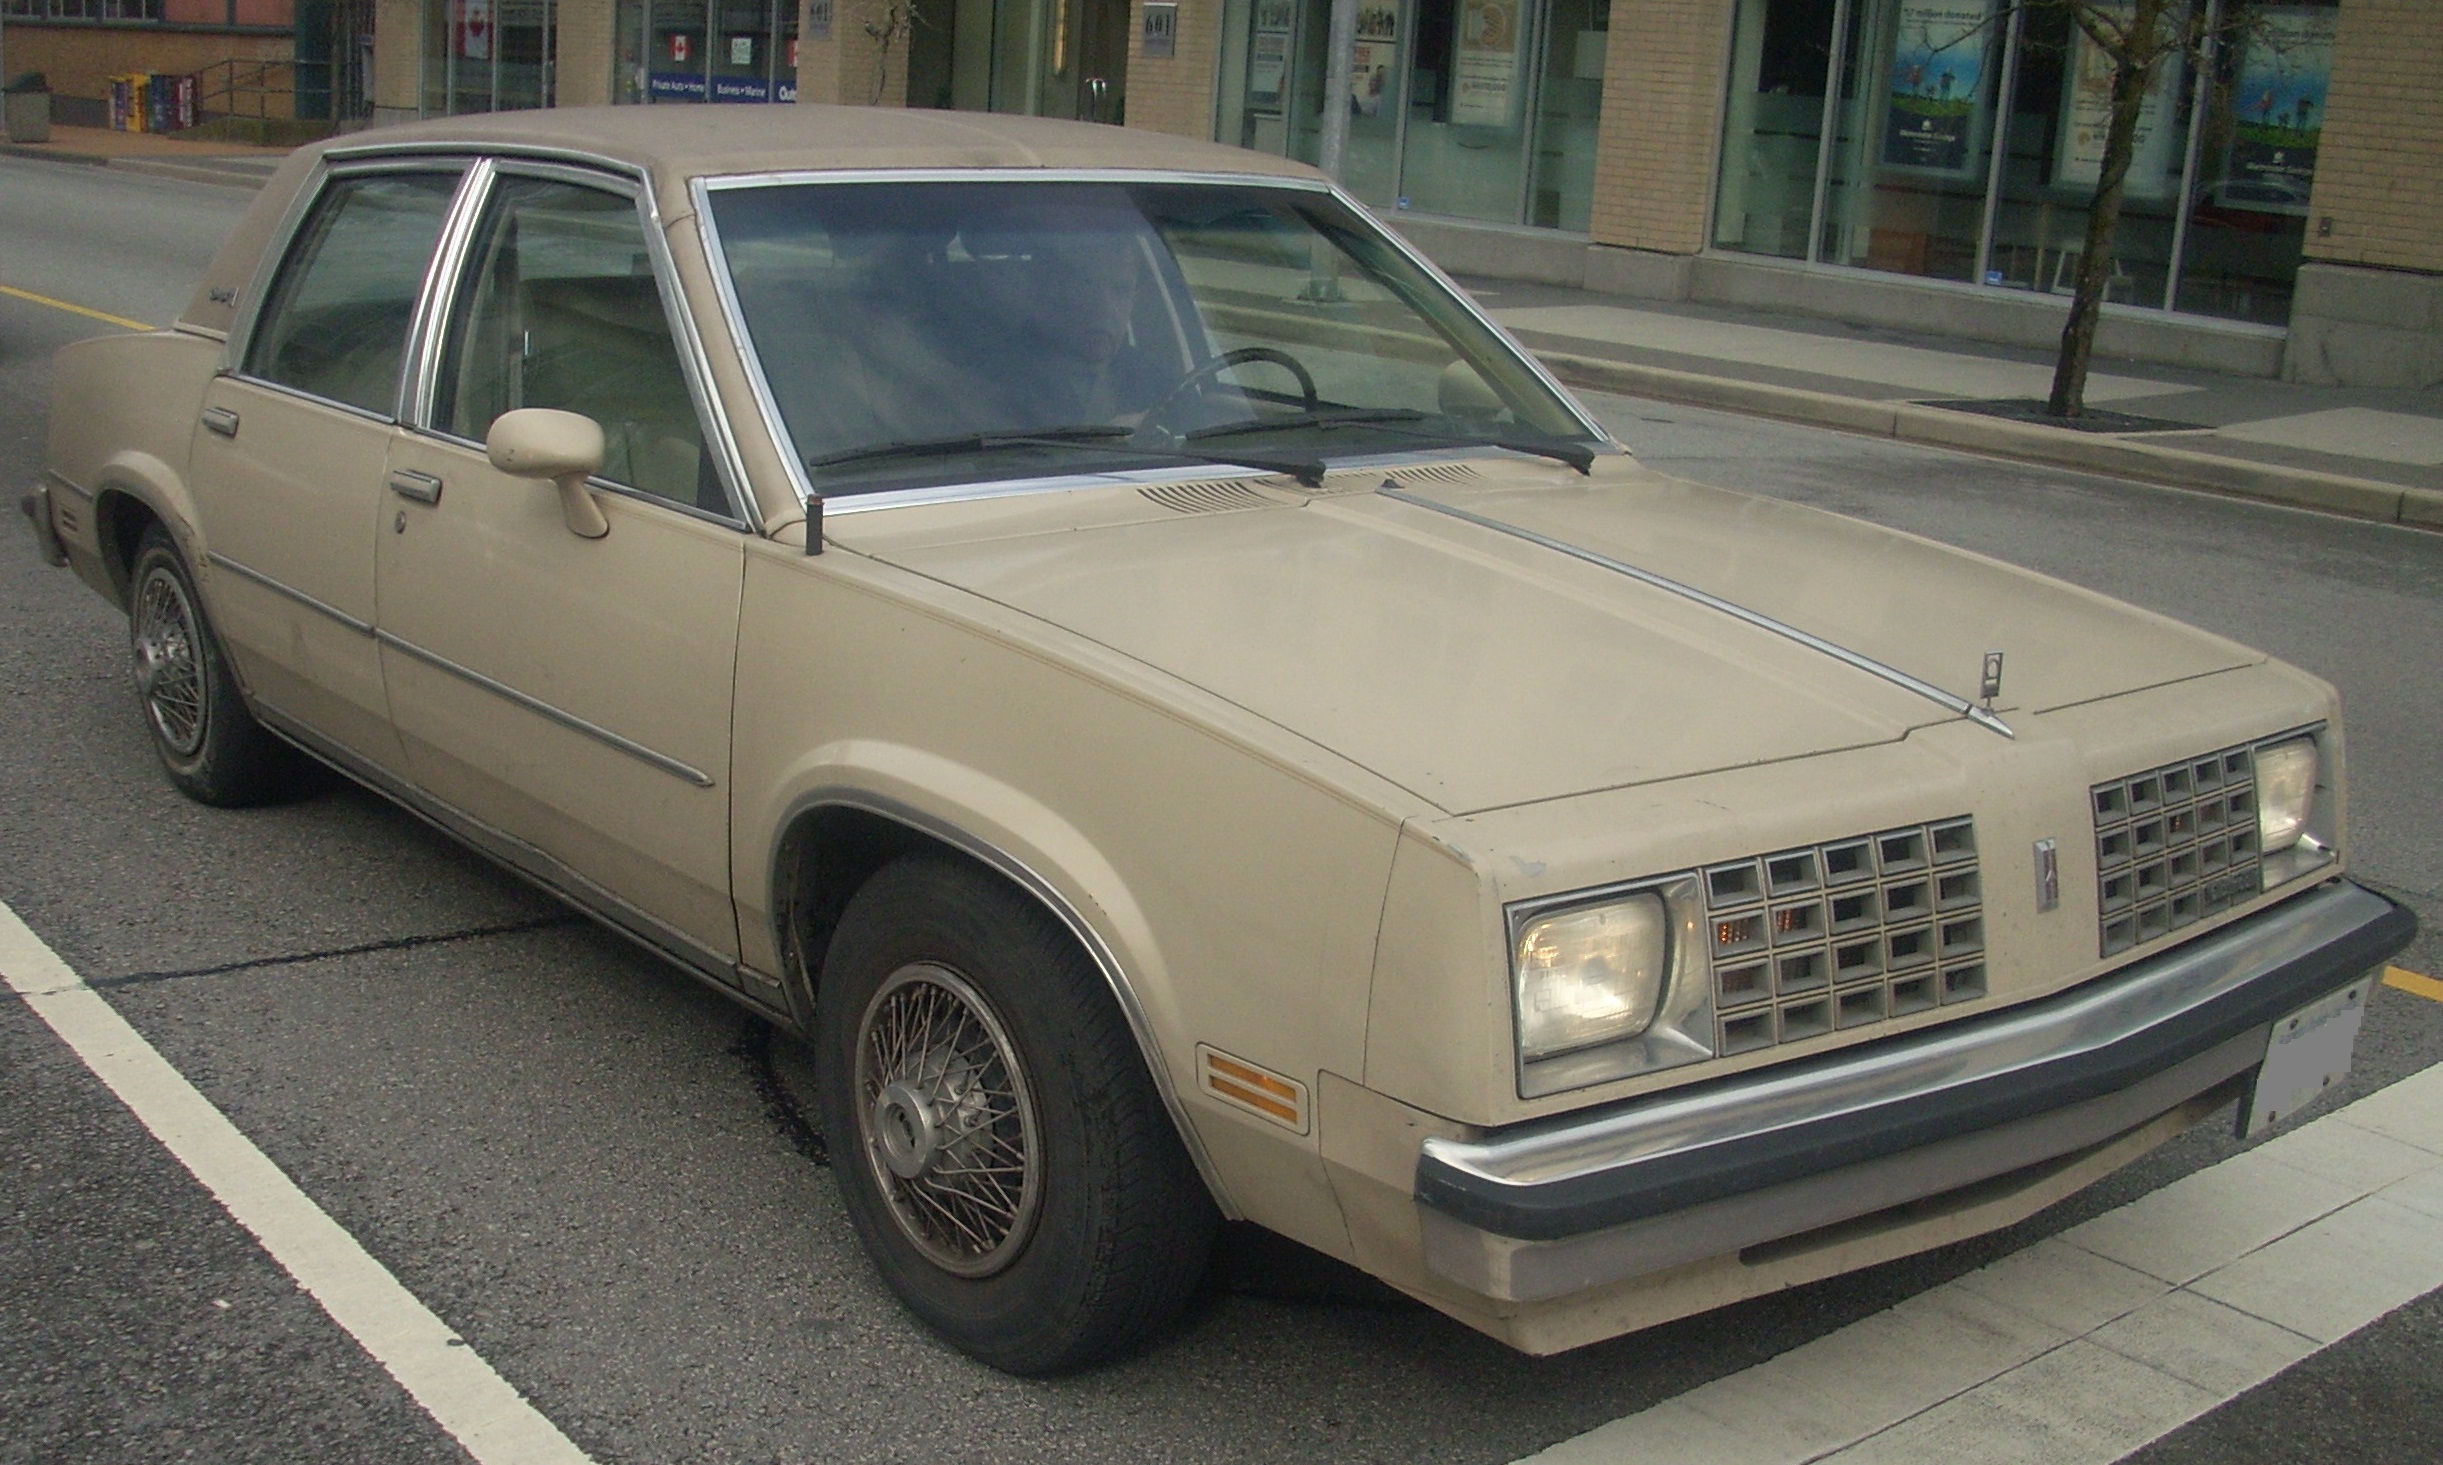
x=1912, y=163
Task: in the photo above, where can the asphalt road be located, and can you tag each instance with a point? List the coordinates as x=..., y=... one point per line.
x=597, y=1173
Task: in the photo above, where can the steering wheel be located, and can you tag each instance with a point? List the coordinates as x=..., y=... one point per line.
x=1195, y=380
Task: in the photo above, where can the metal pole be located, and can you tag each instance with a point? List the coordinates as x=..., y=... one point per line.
x=1337, y=86
x=2198, y=101
x=2005, y=97
x=1827, y=129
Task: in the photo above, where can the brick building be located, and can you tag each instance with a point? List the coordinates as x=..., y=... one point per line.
x=1913, y=163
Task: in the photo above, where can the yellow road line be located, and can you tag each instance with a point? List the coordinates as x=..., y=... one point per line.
x=2410, y=982
x=74, y=309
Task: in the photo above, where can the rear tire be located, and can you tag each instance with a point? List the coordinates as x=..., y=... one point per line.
x=1000, y=1146
x=210, y=745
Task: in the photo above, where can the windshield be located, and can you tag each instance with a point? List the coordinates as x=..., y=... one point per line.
x=915, y=334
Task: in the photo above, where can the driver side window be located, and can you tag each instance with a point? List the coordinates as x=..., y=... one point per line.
x=558, y=307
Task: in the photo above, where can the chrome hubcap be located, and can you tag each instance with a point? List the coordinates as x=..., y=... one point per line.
x=949, y=1127
x=169, y=671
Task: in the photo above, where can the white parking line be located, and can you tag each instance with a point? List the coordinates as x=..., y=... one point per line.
x=2091, y=1344
x=454, y=1384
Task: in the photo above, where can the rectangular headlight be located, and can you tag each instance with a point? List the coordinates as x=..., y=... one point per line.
x=1589, y=975
x=2285, y=791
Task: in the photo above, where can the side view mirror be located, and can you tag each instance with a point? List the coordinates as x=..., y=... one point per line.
x=543, y=442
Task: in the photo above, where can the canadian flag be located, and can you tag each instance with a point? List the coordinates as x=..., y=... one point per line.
x=679, y=47
x=475, y=29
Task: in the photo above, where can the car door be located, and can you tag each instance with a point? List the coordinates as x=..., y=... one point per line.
x=570, y=693
x=288, y=461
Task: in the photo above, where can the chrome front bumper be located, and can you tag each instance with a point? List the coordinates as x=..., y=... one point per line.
x=1554, y=1207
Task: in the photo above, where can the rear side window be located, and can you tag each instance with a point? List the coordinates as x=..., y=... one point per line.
x=335, y=325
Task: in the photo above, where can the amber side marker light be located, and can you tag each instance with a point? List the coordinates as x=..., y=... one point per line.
x=1258, y=1090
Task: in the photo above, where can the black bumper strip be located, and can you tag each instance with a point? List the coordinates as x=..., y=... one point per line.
x=1572, y=1206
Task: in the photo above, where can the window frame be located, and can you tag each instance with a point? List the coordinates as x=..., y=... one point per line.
x=455, y=257
x=289, y=235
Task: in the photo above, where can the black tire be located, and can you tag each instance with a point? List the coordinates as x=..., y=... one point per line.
x=210, y=745
x=1107, y=1232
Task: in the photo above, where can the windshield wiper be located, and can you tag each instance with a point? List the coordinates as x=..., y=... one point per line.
x=1087, y=437
x=1576, y=455
x=970, y=442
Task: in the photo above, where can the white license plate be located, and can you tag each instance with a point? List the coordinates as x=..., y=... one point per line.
x=2308, y=1053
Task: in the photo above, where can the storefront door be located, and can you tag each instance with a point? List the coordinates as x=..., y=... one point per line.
x=1038, y=58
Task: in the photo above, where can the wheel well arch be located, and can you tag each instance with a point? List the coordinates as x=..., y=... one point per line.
x=120, y=518
x=832, y=843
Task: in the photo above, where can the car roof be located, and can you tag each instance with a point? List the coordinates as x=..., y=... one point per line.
x=674, y=143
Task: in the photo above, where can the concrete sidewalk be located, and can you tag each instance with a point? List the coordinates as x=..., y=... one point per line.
x=2368, y=453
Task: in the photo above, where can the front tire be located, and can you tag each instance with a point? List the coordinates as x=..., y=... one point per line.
x=1000, y=1146
x=211, y=747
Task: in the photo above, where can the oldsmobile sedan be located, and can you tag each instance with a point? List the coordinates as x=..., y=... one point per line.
x=1192, y=723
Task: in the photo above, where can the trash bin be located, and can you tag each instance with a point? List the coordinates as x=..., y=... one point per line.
x=28, y=104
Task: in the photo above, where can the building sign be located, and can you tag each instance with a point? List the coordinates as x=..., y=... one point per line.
x=2283, y=79
x=1934, y=116
x=818, y=21
x=1484, y=78
x=1268, y=55
x=742, y=50
x=2086, y=118
x=1161, y=39
x=1374, y=57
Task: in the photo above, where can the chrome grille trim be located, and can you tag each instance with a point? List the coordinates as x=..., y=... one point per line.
x=2174, y=845
x=1843, y=934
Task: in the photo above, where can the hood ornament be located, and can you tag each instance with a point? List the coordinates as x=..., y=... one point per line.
x=1991, y=686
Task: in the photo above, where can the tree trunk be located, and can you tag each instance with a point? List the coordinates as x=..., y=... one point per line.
x=2134, y=63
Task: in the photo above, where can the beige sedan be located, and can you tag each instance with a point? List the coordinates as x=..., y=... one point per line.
x=1192, y=723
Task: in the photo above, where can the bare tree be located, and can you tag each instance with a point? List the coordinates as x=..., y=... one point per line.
x=2142, y=39
x=892, y=22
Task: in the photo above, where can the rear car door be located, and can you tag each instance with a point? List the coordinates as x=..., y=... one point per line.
x=570, y=695
x=288, y=462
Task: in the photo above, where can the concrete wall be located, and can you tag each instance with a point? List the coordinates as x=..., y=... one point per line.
x=1175, y=94
x=398, y=43
x=2369, y=307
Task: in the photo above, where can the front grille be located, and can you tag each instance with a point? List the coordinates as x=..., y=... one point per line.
x=1844, y=934
x=2173, y=845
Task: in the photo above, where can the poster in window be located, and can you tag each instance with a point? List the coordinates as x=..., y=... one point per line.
x=475, y=30
x=1935, y=115
x=2086, y=116
x=2283, y=78
x=1268, y=54
x=1484, y=78
x=1374, y=58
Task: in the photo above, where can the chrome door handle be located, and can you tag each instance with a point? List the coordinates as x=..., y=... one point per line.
x=424, y=488
x=221, y=420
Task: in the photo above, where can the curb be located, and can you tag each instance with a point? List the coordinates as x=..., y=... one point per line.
x=195, y=171
x=2303, y=488
x=46, y=155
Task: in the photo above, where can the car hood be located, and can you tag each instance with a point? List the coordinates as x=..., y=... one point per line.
x=1477, y=668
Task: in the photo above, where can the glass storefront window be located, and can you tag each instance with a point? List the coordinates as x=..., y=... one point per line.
x=488, y=55
x=1962, y=140
x=1474, y=109
x=705, y=50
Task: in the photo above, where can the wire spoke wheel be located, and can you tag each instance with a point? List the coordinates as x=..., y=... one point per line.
x=169, y=663
x=946, y=1121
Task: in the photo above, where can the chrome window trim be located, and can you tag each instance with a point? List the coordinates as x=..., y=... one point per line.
x=536, y=705
x=1958, y=705
x=301, y=206
x=631, y=183
x=247, y=572
x=1140, y=1025
x=702, y=188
